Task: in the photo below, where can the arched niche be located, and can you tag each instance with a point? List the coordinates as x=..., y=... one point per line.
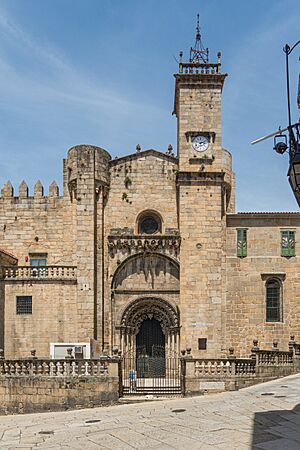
x=147, y=271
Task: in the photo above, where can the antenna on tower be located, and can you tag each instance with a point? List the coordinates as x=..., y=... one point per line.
x=198, y=54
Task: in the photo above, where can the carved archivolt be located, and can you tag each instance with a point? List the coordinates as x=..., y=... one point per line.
x=150, y=308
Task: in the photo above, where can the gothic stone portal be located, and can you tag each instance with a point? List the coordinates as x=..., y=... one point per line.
x=150, y=339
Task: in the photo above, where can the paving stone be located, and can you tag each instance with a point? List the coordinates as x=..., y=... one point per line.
x=227, y=421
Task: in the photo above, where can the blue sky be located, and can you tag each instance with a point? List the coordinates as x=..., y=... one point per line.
x=101, y=72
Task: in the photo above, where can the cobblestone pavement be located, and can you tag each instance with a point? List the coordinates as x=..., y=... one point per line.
x=266, y=416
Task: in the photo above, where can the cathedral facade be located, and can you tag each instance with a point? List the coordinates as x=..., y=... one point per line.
x=146, y=251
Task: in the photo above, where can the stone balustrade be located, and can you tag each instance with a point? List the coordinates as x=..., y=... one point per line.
x=58, y=368
x=204, y=368
x=273, y=357
x=20, y=273
x=212, y=368
x=203, y=68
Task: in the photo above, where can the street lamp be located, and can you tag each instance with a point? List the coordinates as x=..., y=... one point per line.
x=294, y=150
x=294, y=176
x=292, y=145
x=294, y=141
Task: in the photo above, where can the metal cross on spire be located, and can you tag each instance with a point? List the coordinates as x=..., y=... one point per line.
x=198, y=54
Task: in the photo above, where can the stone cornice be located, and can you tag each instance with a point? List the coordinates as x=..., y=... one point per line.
x=236, y=219
x=143, y=154
x=188, y=178
x=133, y=244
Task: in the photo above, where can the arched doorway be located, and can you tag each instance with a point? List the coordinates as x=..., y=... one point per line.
x=150, y=345
x=150, y=350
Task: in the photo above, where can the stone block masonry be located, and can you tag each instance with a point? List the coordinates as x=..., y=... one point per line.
x=33, y=385
x=33, y=394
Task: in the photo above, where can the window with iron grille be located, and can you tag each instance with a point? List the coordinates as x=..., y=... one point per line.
x=273, y=301
x=288, y=243
x=241, y=243
x=24, y=304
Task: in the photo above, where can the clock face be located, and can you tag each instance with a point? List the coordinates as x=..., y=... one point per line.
x=200, y=143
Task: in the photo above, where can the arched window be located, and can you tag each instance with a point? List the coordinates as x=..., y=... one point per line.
x=149, y=223
x=273, y=301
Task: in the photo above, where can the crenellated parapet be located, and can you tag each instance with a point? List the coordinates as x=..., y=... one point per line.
x=7, y=193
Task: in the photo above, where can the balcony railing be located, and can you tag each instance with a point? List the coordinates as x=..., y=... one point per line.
x=16, y=273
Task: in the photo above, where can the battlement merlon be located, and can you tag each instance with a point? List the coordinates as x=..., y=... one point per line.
x=7, y=193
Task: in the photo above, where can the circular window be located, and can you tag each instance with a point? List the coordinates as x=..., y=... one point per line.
x=149, y=225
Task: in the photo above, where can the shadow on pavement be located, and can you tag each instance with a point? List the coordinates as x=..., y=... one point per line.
x=277, y=430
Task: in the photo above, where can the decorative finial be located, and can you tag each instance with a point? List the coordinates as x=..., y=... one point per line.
x=198, y=54
x=138, y=148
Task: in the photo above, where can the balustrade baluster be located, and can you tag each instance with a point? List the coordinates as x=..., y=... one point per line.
x=18, y=368
x=221, y=368
x=46, y=368
x=6, y=368
x=51, y=367
x=228, y=367
x=39, y=368
x=74, y=367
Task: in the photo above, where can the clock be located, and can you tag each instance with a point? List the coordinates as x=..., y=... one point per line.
x=200, y=143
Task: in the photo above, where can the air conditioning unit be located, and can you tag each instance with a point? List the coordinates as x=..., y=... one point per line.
x=78, y=350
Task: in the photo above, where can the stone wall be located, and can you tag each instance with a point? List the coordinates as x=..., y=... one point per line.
x=140, y=182
x=202, y=376
x=202, y=268
x=246, y=277
x=35, y=385
x=31, y=395
x=54, y=317
x=145, y=181
x=38, y=224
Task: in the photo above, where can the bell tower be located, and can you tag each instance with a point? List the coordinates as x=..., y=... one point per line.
x=205, y=181
x=197, y=107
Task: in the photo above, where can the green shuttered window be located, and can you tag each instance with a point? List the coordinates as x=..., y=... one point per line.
x=241, y=244
x=288, y=243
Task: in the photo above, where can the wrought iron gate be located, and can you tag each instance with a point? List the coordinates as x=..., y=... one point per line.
x=154, y=372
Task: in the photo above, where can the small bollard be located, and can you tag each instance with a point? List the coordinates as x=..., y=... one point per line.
x=254, y=349
x=291, y=343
